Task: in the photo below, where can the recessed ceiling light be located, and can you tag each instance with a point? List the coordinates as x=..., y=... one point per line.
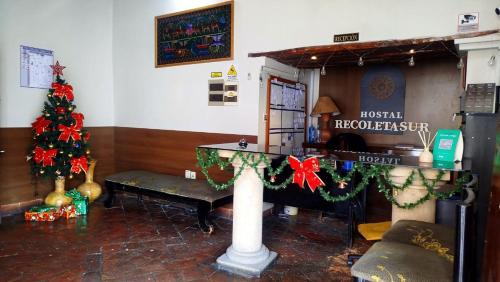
x=314, y=58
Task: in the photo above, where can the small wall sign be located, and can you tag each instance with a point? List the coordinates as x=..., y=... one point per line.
x=468, y=22
x=216, y=74
x=346, y=37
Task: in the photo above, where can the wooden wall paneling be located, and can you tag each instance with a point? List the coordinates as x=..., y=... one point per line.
x=432, y=91
x=165, y=151
x=16, y=182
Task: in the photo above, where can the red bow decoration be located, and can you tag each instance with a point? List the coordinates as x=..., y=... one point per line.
x=78, y=117
x=306, y=171
x=69, y=131
x=87, y=136
x=40, y=125
x=79, y=164
x=45, y=156
x=60, y=110
x=63, y=90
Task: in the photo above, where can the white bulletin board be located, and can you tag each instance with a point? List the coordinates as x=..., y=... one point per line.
x=35, y=67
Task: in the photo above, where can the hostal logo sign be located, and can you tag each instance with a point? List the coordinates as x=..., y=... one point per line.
x=382, y=126
x=382, y=104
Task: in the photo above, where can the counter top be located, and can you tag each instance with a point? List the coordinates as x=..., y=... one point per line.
x=342, y=156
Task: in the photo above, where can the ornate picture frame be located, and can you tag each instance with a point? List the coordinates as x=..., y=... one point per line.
x=195, y=36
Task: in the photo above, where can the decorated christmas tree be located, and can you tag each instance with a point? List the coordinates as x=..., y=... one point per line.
x=60, y=144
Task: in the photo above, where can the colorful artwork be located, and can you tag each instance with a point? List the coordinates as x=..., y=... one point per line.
x=195, y=36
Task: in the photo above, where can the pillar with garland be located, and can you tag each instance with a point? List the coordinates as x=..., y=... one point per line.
x=60, y=144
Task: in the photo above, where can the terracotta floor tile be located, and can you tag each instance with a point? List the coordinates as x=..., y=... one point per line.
x=161, y=241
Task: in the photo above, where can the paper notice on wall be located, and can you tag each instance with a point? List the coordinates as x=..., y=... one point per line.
x=35, y=67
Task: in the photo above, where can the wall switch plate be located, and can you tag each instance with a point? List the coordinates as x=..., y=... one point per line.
x=193, y=175
x=187, y=173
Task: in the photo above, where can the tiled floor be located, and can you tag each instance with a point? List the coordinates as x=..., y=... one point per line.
x=158, y=242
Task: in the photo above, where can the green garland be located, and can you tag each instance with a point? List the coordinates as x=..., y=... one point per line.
x=208, y=158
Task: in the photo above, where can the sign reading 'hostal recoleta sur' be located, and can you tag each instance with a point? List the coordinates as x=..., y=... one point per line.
x=386, y=125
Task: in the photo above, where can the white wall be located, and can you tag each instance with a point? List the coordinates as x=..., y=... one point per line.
x=80, y=33
x=108, y=47
x=176, y=97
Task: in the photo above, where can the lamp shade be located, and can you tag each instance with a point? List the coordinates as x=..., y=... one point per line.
x=325, y=105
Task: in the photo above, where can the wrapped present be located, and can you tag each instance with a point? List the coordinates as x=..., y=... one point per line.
x=79, y=201
x=42, y=213
x=68, y=211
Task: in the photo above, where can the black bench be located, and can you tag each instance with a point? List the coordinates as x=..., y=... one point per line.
x=175, y=188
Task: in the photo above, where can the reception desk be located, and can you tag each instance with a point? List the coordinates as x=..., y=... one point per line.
x=247, y=255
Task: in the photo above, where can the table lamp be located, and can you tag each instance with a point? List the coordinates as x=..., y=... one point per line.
x=325, y=107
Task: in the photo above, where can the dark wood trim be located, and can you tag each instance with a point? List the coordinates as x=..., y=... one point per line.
x=371, y=44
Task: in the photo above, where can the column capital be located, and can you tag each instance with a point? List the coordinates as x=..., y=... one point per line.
x=491, y=41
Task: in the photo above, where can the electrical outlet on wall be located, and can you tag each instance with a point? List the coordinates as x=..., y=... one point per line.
x=193, y=175
x=187, y=173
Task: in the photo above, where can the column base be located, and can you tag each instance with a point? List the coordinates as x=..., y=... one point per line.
x=246, y=264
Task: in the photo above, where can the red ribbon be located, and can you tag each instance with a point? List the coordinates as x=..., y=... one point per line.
x=63, y=90
x=60, y=110
x=79, y=164
x=45, y=157
x=69, y=131
x=40, y=125
x=86, y=137
x=78, y=117
x=306, y=171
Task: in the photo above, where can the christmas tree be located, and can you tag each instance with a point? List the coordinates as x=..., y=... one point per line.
x=60, y=144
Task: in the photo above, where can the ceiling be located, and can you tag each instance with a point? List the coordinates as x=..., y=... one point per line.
x=371, y=52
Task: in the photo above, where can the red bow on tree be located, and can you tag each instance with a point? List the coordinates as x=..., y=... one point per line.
x=306, y=171
x=45, y=157
x=78, y=117
x=40, y=125
x=69, y=131
x=63, y=90
x=60, y=110
x=79, y=164
x=86, y=137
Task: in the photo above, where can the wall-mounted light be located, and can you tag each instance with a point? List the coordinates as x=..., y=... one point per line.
x=314, y=58
x=460, y=64
x=491, y=61
x=360, y=62
x=323, y=70
x=412, y=51
x=411, y=62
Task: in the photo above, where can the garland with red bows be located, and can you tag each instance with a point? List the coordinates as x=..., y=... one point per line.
x=306, y=172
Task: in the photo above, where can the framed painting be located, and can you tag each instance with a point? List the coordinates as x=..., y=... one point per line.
x=195, y=36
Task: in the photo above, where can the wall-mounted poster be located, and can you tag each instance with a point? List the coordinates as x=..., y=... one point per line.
x=383, y=99
x=195, y=36
x=35, y=67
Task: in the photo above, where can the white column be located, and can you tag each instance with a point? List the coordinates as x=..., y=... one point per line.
x=247, y=255
x=479, y=51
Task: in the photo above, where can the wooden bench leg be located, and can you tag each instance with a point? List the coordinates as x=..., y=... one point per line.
x=203, y=211
x=111, y=195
